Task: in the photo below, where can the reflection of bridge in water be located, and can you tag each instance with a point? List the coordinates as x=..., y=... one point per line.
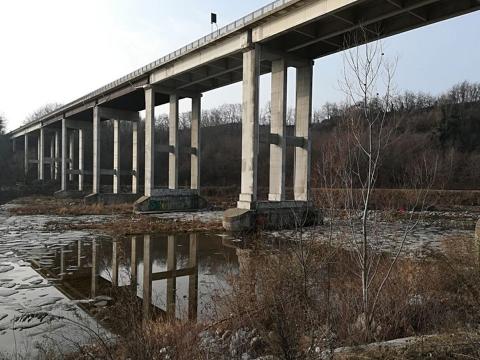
x=89, y=270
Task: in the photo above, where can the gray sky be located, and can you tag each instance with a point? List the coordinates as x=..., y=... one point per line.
x=57, y=50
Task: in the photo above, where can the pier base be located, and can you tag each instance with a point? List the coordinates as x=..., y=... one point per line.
x=110, y=199
x=168, y=200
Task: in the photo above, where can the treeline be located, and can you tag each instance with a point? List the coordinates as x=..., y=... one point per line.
x=442, y=130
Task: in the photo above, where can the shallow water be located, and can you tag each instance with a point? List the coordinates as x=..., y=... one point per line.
x=71, y=274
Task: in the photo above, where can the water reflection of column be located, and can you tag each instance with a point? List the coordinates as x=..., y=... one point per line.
x=147, y=277
x=133, y=262
x=79, y=253
x=114, y=263
x=193, y=278
x=62, y=263
x=171, y=280
x=94, y=269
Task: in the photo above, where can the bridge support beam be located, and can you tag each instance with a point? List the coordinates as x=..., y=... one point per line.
x=96, y=150
x=116, y=156
x=64, y=155
x=52, y=158
x=134, y=157
x=302, y=130
x=25, y=156
x=41, y=154
x=149, y=140
x=81, y=161
x=57, y=155
x=71, y=154
x=251, y=73
x=195, y=143
x=173, y=143
x=278, y=127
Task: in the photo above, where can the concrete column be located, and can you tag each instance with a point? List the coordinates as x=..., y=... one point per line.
x=171, y=280
x=251, y=72
x=115, y=263
x=133, y=262
x=193, y=279
x=134, y=157
x=173, y=143
x=71, y=154
x=41, y=154
x=195, y=143
x=147, y=277
x=96, y=150
x=52, y=158
x=149, y=140
x=301, y=186
x=81, y=161
x=278, y=127
x=64, y=155
x=116, y=156
x=57, y=155
x=25, y=156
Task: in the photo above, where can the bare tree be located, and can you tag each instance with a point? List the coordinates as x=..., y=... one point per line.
x=42, y=111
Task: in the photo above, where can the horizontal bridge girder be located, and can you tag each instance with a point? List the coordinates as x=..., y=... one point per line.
x=178, y=91
x=117, y=114
x=77, y=125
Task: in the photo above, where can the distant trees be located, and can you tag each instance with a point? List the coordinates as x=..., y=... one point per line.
x=6, y=163
x=42, y=111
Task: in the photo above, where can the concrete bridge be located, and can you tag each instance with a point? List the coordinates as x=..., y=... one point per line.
x=285, y=33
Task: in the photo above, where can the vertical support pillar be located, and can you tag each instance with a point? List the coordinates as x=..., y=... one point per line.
x=134, y=157
x=251, y=72
x=115, y=263
x=64, y=155
x=195, y=143
x=93, y=289
x=193, y=279
x=52, y=158
x=301, y=186
x=25, y=157
x=57, y=155
x=133, y=263
x=96, y=150
x=147, y=277
x=149, y=140
x=278, y=128
x=173, y=143
x=81, y=161
x=171, y=280
x=116, y=156
x=71, y=154
x=41, y=154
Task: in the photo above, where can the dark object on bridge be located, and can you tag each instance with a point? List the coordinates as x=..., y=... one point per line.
x=213, y=18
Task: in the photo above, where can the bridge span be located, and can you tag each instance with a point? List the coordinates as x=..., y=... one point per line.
x=282, y=34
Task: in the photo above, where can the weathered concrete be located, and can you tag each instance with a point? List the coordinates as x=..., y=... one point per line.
x=25, y=156
x=41, y=154
x=238, y=220
x=250, y=112
x=71, y=154
x=134, y=157
x=195, y=143
x=301, y=181
x=64, y=156
x=165, y=200
x=173, y=143
x=278, y=127
x=149, y=140
x=96, y=151
x=57, y=155
x=52, y=158
x=81, y=162
x=116, y=156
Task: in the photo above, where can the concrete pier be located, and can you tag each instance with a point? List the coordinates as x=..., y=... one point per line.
x=195, y=143
x=25, y=156
x=116, y=156
x=41, y=154
x=52, y=158
x=96, y=150
x=81, y=161
x=278, y=131
x=250, y=112
x=134, y=157
x=71, y=155
x=173, y=143
x=302, y=130
x=64, y=155
x=149, y=140
x=57, y=155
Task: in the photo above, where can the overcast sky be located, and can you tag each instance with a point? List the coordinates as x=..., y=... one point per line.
x=58, y=50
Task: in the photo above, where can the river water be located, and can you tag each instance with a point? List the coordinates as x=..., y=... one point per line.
x=52, y=283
